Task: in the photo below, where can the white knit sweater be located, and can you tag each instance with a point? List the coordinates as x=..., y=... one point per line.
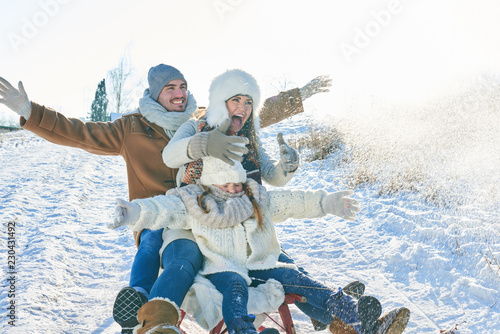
x=237, y=248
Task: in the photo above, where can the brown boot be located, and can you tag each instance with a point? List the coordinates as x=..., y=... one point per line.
x=337, y=326
x=394, y=321
x=159, y=317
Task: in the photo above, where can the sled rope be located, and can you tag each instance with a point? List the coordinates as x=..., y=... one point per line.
x=296, y=286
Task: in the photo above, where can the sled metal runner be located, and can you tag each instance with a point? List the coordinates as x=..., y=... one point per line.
x=286, y=324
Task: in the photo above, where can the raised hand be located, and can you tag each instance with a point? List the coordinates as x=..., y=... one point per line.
x=289, y=157
x=319, y=84
x=338, y=204
x=126, y=213
x=16, y=99
x=218, y=145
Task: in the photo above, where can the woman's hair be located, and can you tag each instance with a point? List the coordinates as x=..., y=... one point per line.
x=256, y=206
x=248, y=130
x=201, y=197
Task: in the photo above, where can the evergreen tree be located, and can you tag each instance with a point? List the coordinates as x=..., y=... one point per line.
x=98, y=110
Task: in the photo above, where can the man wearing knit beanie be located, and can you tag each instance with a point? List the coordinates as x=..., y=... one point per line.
x=159, y=76
x=140, y=137
x=174, y=97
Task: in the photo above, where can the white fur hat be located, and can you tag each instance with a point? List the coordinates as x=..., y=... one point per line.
x=216, y=171
x=225, y=86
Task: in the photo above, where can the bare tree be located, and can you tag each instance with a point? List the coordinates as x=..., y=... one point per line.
x=282, y=84
x=120, y=85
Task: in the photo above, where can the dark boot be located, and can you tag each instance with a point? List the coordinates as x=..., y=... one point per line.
x=158, y=316
x=127, y=303
x=243, y=325
x=318, y=326
x=354, y=289
x=369, y=310
x=270, y=331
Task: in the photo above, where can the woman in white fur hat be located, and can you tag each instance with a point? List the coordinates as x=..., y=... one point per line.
x=233, y=101
x=234, y=98
x=231, y=218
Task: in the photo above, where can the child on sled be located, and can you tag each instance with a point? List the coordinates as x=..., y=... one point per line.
x=231, y=218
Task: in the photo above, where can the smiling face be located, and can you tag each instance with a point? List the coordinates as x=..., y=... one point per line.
x=239, y=109
x=173, y=96
x=230, y=187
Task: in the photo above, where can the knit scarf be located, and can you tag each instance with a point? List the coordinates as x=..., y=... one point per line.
x=170, y=121
x=224, y=209
x=195, y=168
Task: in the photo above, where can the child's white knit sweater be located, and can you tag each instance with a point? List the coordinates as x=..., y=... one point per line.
x=228, y=235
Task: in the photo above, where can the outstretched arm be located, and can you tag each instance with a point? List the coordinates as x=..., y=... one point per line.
x=289, y=103
x=16, y=99
x=103, y=138
x=152, y=213
x=299, y=204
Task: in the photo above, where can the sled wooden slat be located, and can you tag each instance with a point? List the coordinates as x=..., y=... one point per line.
x=286, y=318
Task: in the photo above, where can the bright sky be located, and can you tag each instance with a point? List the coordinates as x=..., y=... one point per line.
x=61, y=49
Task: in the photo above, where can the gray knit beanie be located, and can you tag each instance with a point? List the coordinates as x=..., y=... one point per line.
x=161, y=75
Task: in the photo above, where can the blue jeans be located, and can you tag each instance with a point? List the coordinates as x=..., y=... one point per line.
x=330, y=302
x=325, y=301
x=308, y=309
x=234, y=291
x=181, y=261
x=147, y=261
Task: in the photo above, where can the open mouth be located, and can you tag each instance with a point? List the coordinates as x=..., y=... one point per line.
x=237, y=121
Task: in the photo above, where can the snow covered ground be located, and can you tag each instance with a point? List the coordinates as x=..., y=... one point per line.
x=439, y=262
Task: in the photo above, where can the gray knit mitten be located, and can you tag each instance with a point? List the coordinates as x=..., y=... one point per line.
x=317, y=85
x=289, y=157
x=218, y=145
x=16, y=99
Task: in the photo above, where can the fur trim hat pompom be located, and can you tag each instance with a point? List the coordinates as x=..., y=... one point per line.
x=223, y=87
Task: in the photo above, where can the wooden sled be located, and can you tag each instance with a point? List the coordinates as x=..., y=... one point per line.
x=286, y=324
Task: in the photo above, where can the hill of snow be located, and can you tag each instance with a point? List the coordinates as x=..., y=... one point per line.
x=56, y=201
